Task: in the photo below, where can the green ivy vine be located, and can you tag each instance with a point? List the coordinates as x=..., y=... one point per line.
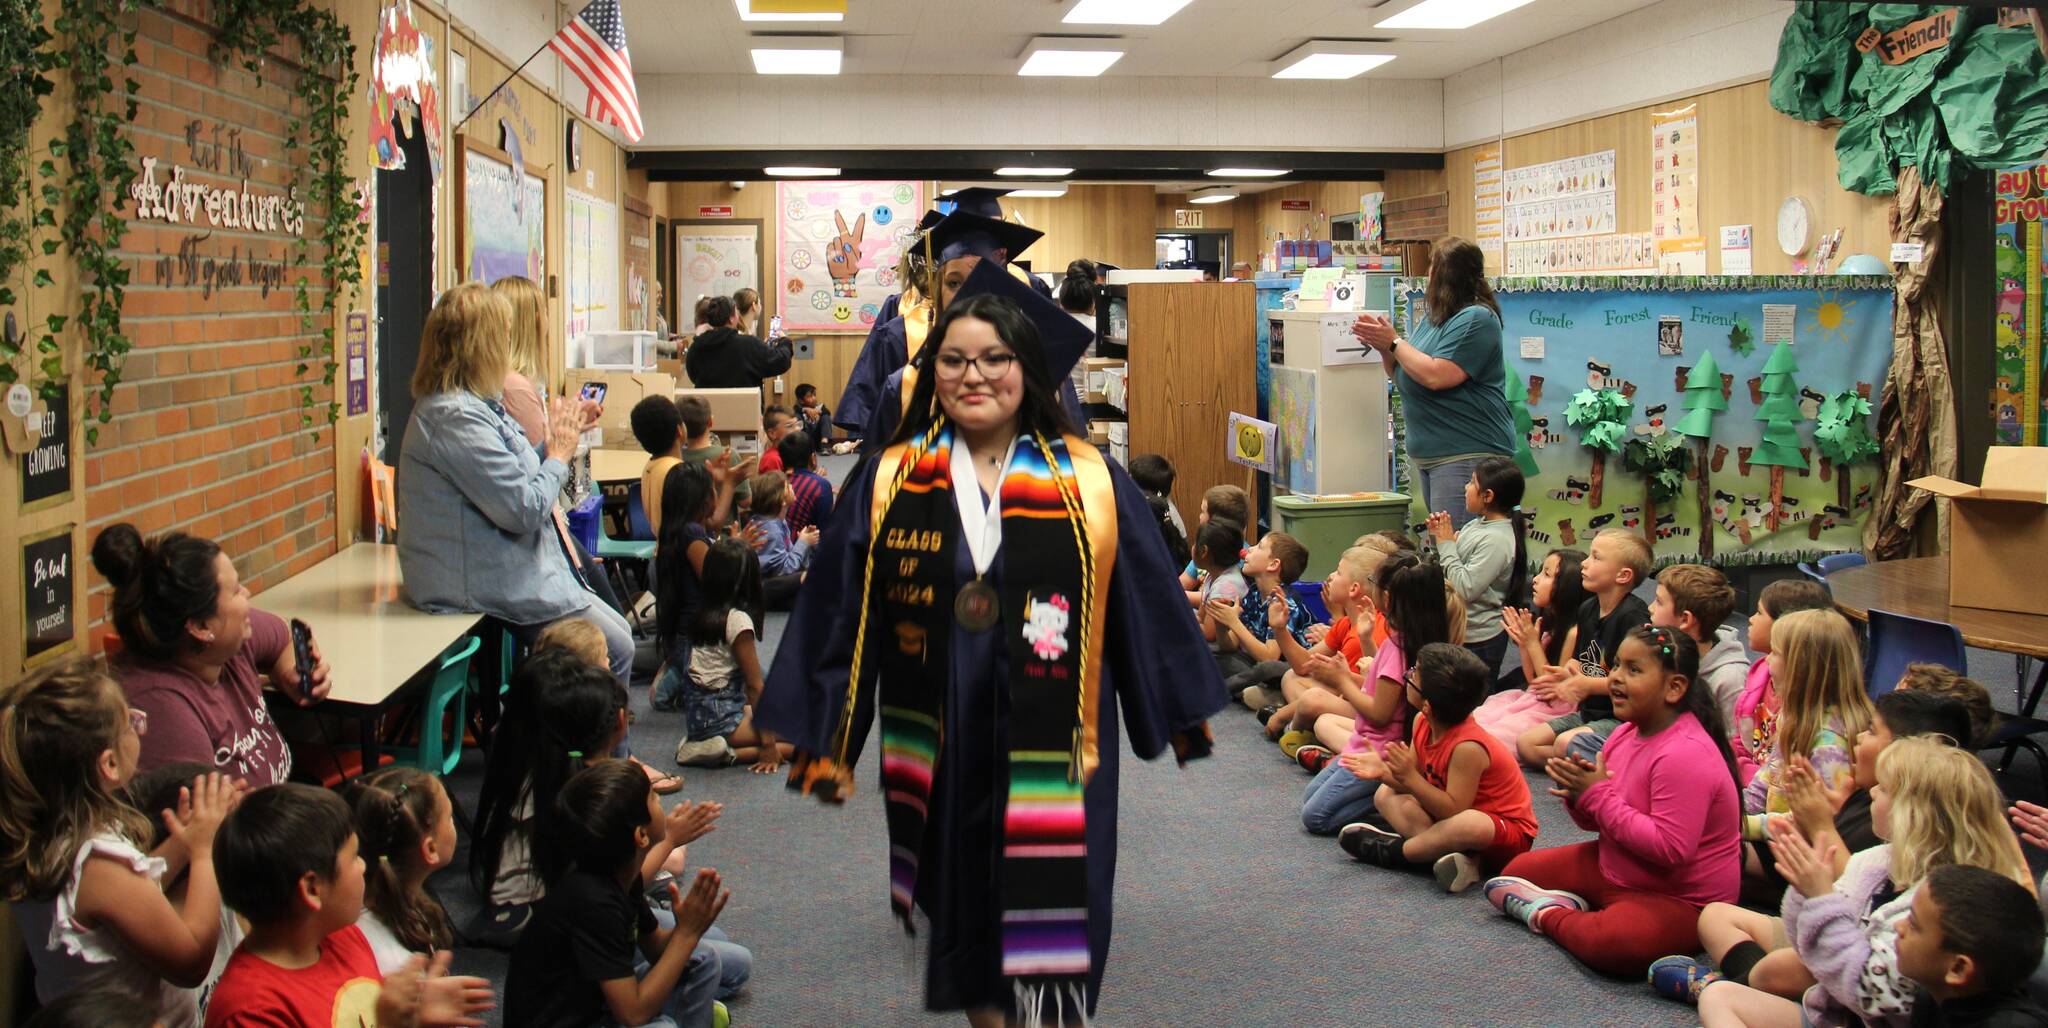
x=327, y=80
x=25, y=67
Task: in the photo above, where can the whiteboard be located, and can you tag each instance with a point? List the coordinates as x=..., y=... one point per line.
x=592, y=265
x=714, y=259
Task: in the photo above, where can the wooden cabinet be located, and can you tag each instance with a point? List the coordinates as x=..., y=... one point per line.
x=1192, y=351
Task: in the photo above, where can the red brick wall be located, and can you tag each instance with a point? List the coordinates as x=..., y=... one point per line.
x=1418, y=218
x=207, y=434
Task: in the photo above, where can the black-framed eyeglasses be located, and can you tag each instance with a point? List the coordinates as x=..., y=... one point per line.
x=993, y=366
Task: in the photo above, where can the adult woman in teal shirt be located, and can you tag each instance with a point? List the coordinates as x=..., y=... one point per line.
x=1452, y=377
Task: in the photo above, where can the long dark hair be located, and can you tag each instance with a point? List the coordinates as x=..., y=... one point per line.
x=160, y=586
x=559, y=710
x=1567, y=594
x=1077, y=290
x=1501, y=477
x=1415, y=607
x=1457, y=279
x=732, y=581
x=1040, y=412
x=1176, y=543
x=394, y=810
x=686, y=497
x=1679, y=654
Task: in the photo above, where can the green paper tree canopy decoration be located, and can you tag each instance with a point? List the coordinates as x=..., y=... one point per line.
x=1702, y=399
x=1518, y=407
x=1662, y=461
x=1843, y=430
x=1601, y=416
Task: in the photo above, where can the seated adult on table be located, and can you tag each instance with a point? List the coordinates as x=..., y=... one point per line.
x=193, y=654
x=723, y=357
x=476, y=501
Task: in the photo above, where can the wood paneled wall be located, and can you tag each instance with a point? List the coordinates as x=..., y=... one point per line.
x=1751, y=159
x=1192, y=349
x=1112, y=223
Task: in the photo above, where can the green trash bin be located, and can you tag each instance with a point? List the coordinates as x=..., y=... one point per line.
x=1328, y=525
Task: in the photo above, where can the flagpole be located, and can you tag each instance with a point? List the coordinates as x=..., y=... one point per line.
x=488, y=97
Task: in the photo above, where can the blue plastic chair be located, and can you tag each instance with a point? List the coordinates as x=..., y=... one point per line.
x=1897, y=640
x=1311, y=596
x=1834, y=562
x=435, y=753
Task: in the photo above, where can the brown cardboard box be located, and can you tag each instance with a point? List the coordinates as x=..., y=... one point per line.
x=732, y=410
x=1092, y=368
x=623, y=389
x=1995, y=527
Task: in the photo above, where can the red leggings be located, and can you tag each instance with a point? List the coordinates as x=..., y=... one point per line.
x=1625, y=930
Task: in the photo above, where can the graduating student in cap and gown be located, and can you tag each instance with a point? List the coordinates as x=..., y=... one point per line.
x=993, y=587
x=955, y=243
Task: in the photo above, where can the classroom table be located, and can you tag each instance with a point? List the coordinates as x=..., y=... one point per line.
x=372, y=640
x=1918, y=587
x=617, y=465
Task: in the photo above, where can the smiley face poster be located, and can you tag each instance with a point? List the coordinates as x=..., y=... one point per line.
x=836, y=249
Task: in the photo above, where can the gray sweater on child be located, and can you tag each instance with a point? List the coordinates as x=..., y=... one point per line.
x=1477, y=564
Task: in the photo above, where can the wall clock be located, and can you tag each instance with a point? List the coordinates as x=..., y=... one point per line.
x=1795, y=225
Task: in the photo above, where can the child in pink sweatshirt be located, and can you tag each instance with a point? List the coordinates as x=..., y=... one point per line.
x=1664, y=800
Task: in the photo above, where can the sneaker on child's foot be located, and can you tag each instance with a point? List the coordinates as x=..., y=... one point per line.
x=1313, y=758
x=1456, y=872
x=720, y=1016
x=1372, y=844
x=1681, y=978
x=1292, y=742
x=1256, y=696
x=711, y=752
x=1524, y=901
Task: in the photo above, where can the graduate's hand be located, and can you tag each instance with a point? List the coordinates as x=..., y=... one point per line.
x=1439, y=525
x=2031, y=821
x=1805, y=868
x=687, y=822
x=1400, y=762
x=696, y=911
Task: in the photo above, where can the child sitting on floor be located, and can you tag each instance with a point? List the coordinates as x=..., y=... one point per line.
x=1217, y=544
x=1487, y=560
x=579, y=963
x=1309, y=688
x=1221, y=503
x=1755, y=728
x=405, y=831
x=1695, y=599
x=1542, y=635
x=1416, y=614
x=1818, y=674
x=583, y=638
x=289, y=862
x=1663, y=798
x=1456, y=801
x=1615, y=564
x=1939, y=807
x=1250, y=653
x=725, y=667
x=1154, y=474
x=1969, y=944
x=784, y=554
x=1944, y=681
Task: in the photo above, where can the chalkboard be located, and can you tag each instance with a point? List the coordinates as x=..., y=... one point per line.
x=46, y=470
x=47, y=593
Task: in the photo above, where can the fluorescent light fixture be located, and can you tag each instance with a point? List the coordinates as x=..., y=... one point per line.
x=1123, y=12
x=1038, y=190
x=1071, y=56
x=1325, y=59
x=800, y=171
x=747, y=13
x=1449, y=14
x=1214, y=194
x=1246, y=172
x=1034, y=172
x=797, y=55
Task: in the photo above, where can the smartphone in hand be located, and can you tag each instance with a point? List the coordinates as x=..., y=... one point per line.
x=775, y=327
x=595, y=391
x=302, y=654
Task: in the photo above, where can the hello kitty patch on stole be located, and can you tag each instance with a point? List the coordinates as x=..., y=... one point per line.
x=1045, y=625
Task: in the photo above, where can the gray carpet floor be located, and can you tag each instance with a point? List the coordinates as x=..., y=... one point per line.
x=1227, y=912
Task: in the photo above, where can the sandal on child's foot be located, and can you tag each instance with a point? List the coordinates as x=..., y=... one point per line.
x=1456, y=872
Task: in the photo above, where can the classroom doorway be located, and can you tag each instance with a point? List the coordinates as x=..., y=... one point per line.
x=405, y=283
x=1204, y=249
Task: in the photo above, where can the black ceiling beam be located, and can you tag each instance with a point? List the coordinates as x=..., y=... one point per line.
x=1094, y=165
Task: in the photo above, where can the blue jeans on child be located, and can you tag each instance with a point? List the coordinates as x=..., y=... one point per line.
x=1336, y=798
x=1587, y=744
x=675, y=672
x=702, y=983
x=1443, y=489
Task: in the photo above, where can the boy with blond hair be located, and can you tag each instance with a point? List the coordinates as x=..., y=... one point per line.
x=1615, y=564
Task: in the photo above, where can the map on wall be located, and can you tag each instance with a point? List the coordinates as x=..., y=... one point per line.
x=1294, y=410
x=504, y=219
x=592, y=267
x=836, y=248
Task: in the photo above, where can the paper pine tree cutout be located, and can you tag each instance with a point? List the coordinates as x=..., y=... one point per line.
x=1843, y=434
x=1525, y=423
x=1702, y=400
x=1781, y=416
x=1739, y=339
x=1601, y=416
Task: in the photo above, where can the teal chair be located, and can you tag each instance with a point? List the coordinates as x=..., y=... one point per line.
x=435, y=754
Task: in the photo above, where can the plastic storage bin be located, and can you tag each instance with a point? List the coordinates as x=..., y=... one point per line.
x=583, y=521
x=1328, y=525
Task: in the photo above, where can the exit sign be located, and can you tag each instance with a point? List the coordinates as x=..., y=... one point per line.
x=1294, y=205
x=720, y=211
x=1187, y=219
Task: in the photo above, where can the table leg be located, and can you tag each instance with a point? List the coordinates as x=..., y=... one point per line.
x=371, y=719
x=2033, y=700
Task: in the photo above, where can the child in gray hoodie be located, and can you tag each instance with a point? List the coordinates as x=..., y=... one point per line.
x=1696, y=599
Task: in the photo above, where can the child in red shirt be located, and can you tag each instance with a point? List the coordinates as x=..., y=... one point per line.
x=1456, y=799
x=287, y=861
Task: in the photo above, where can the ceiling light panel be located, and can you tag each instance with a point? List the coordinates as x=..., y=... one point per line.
x=1331, y=66
x=1123, y=12
x=800, y=171
x=1246, y=172
x=1450, y=14
x=797, y=55
x=1034, y=172
x=1069, y=63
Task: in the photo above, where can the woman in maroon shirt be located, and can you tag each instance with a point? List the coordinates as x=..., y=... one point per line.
x=194, y=654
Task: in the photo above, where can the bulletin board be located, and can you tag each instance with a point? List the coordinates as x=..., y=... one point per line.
x=2019, y=392
x=836, y=249
x=504, y=217
x=641, y=272
x=592, y=265
x=1641, y=336
x=714, y=258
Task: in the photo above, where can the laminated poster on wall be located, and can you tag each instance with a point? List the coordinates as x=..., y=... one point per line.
x=2019, y=391
x=1486, y=205
x=1559, y=199
x=836, y=249
x=1641, y=338
x=1675, y=191
x=1253, y=443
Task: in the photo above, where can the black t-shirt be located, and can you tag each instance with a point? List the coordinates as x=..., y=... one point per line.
x=1599, y=639
x=1852, y=823
x=587, y=931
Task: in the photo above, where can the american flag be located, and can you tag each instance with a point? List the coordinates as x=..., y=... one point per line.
x=594, y=47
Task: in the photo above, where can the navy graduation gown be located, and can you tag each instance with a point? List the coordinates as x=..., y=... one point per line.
x=888, y=411
x=1157, y=677
x=886, y=350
